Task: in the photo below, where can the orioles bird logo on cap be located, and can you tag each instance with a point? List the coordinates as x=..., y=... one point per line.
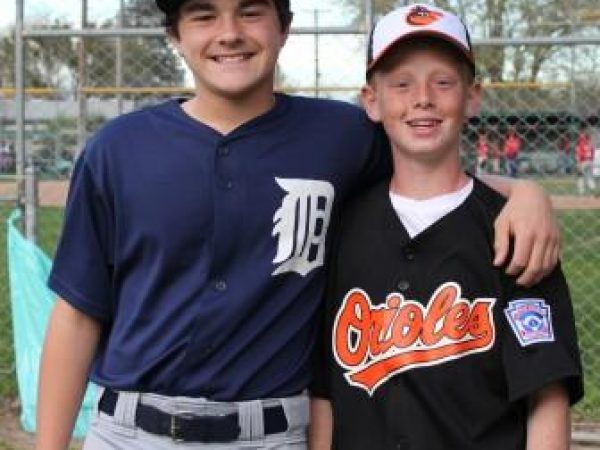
x=422, y=16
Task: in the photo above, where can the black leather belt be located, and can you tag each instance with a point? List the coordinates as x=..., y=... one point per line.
x=193, y=428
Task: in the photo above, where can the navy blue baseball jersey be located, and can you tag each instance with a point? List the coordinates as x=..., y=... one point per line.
x=428, y=346
x=202, y=254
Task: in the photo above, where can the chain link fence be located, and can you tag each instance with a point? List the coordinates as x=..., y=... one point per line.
x=544, y=93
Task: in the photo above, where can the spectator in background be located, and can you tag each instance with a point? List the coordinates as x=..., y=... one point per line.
x=564, y=154
x=494, y=153
x=584, y=152
x=482, y=152
x=594, y=132
x=512, y=148
x=4, y=157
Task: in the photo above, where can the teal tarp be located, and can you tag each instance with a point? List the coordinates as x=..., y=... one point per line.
x=31, y=304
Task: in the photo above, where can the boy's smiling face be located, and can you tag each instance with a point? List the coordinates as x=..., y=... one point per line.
x=231, y=46
x=422, y=92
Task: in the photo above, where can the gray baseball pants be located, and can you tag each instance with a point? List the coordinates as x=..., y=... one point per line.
x=118, y=432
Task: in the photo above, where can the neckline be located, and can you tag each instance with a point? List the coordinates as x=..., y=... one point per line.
x=279, y=108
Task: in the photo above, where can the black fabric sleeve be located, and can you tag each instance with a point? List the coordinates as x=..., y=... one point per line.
x=379, y=164
x=530, y=365
x=323, y=353
x=320, y=382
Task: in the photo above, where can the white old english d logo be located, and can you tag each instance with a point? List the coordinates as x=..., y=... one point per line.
x=301, y=223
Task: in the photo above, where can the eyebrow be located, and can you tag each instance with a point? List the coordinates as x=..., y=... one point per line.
x=207, y=5
x=246, y=3
x=197, y=5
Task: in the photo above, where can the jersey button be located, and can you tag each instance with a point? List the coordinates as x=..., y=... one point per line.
x=223, y=151
x=229, y=185
x=220, y=285
x=402, y=285
x=409, y=254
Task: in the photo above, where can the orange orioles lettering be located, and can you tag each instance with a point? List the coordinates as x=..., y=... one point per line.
x=374, y=343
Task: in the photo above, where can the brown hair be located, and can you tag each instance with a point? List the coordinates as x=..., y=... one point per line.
x=284, y=14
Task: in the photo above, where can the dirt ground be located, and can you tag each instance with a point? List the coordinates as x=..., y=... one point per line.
x=12, y=437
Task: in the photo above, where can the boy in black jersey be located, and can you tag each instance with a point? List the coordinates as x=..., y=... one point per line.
x=428, y=345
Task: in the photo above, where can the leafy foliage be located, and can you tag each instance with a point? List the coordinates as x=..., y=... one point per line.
x=512, y=18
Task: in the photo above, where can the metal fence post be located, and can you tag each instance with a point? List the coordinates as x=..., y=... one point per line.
x=19, y=102
x=31, y=202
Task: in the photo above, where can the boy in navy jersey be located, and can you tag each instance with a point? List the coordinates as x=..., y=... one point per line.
x=190, y=268
x=428, y=345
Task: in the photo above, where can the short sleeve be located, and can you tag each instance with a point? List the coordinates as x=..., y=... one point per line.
x=82, y=267
x=539, y=339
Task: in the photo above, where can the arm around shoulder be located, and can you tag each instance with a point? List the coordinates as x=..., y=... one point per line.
x=528, y=219
x=71, y=341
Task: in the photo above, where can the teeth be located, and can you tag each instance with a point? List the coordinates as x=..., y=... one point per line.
x=231, y=58
x=423, y=123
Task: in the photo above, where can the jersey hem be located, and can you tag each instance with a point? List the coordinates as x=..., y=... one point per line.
x=569, y=378
x=75, y=299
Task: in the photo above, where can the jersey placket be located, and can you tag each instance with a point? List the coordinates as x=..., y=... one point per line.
x=227, y=192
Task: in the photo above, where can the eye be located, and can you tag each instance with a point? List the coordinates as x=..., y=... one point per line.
x=445, y=82
x=253, y=11
x=201, y=17
x=400, y=84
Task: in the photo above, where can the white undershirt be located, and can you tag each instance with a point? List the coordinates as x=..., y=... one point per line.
x=418, y=215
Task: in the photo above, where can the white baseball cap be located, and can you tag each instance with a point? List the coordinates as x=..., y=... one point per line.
x=418, y=20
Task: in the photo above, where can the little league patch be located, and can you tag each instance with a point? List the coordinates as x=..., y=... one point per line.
x=531, y=320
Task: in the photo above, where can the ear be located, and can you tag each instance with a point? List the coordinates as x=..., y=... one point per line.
x=286, y=32
x=369, y=100
x=474, y=99
x=284, y=39
x=174, y=40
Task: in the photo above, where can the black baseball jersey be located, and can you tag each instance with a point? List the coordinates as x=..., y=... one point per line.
x=428, y=346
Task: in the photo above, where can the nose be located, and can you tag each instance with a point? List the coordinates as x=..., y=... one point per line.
x=423, y=96
x=230, y=32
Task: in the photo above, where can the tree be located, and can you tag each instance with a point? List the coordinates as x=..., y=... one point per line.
x=147, y=61
x=45, y=59
x=54, y=61
x=511, y=18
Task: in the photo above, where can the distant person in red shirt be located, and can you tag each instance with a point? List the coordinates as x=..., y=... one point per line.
x=584, y=152
x=512, y=148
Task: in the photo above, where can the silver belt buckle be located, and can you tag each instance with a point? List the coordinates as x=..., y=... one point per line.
x=176, y=428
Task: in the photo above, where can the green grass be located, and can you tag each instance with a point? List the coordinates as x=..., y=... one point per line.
x=49, y=224
x=554, y=185
x=7, y=380
x=581, y=263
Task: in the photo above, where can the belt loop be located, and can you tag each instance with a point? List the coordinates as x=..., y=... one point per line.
x=125, y=409
x=99, y=392
x=296, y=410
x=251, y=419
